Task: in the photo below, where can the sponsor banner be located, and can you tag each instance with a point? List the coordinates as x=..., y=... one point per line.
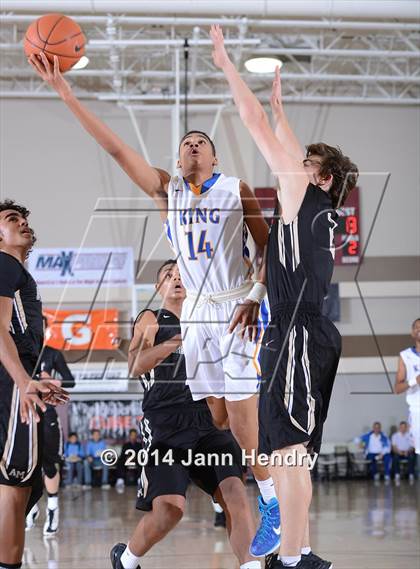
x=91, y=378
x=86, y=267
x=113, y=418
x=82, y=330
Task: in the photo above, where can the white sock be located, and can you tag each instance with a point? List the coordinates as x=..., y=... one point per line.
x=217, y=507
x=305, y=551
x=289, y=561
x=52, y=502
x=266, y=488
x=251, y=565
x=129, y=560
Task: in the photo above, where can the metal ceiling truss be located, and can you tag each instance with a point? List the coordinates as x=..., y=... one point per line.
x=140, y=60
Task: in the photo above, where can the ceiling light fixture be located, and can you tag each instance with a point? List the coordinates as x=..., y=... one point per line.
x=263, y=64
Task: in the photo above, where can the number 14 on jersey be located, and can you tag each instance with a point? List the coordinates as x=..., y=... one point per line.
x=201, y=247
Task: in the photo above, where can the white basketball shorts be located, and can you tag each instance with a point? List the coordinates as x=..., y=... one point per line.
x=219, y=364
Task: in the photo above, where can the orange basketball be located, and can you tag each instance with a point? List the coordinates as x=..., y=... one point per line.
x=56, y=34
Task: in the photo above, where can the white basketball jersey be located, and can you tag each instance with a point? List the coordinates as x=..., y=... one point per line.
x=208, y=235
x=411, y=360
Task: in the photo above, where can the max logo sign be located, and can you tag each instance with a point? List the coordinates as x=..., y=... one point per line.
x=61, y=262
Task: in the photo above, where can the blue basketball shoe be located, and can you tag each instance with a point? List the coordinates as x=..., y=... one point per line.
x=267, y=538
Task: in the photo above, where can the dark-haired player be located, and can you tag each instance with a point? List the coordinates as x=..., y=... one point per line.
x=301, y=348
x=52, y=362
x=21, y=336
x=207, y=217
x=173, y=425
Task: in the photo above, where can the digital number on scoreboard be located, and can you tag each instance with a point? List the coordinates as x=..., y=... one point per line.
x=347, y=234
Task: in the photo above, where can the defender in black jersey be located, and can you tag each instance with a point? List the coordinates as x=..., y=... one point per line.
x=21, y=337
x=52, y=365
x=177, y=429
x=301, y=348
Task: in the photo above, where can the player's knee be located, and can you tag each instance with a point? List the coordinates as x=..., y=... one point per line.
x=233, y=493
x=169, y=514
x=220, y=419
x=221, y=423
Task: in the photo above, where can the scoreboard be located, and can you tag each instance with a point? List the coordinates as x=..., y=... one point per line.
x=347, y=233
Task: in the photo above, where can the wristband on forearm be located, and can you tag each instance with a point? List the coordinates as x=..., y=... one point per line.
x=257, y=293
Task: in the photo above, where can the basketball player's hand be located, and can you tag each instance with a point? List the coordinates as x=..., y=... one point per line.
x=30, y=394
x=50, y=73
x=246, y=317
x=56, y=394
x=275, y=101
x=219, y=53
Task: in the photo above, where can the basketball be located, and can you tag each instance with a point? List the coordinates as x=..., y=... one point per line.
x=56, y=34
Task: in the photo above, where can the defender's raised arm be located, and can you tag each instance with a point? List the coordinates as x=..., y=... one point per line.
x=279, y=154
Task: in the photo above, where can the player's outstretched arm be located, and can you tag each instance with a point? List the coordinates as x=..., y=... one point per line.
x=30, y=391
x=289, y=169
x=283, y=131
x=401, y=383
x=143, y=356
x=147, y=178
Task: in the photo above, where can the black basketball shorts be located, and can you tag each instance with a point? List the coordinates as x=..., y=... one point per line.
x=20, y=444
x=299, y=361
x=183, y=437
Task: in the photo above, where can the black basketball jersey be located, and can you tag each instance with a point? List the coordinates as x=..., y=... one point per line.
x=26, y=326
x=300, y=255
x=164, y=386
x=52, y=361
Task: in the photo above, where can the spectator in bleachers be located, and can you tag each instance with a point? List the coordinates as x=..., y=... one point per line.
x=94, y=448
x=403, y=449
x=377, y=447
x=73, y=455
x=128, y=461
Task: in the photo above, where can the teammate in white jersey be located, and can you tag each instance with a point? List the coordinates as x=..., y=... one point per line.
x=206, y=215
x=408, y=381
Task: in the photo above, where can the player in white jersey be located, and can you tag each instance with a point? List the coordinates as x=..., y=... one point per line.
x=207, y=231
x=408, y=381
x=205, y=215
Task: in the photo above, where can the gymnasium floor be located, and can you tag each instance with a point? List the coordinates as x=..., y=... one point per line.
x=355, y=524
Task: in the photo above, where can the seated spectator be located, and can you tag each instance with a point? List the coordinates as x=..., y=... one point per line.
x=73, y=455
x=127, y=460
x=403, y=449
x=94, y=449
x=377, y=447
